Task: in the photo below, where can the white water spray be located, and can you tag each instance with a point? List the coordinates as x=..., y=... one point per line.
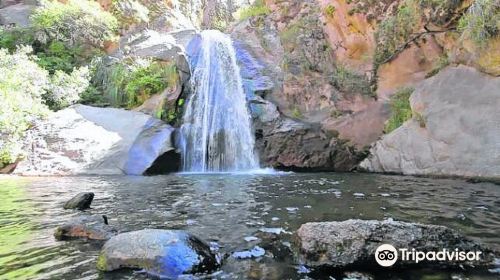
x=216, y=134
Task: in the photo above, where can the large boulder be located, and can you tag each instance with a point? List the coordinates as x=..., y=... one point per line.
x=164, y=253
x=353, y=243
x=85, y=227
x=162, y=46
x=89, y=140
x=454, y=130
x=293, y=145
x=81, y=201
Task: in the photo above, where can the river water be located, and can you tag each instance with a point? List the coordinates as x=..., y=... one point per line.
x=227, y=208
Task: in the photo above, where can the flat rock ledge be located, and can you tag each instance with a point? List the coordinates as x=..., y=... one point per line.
x=353, y=243
x=161, y=253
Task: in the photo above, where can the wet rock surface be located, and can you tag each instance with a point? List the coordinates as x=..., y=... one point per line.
x=164, y=253
x=353, y=243
x=85, y=227
x=81, y=201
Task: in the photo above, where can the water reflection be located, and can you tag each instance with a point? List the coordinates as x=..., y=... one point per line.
x=231, y=211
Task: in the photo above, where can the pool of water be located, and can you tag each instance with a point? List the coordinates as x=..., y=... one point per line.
x=227, y=208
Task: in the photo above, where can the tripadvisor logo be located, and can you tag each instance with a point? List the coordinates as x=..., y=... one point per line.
x=387, y=255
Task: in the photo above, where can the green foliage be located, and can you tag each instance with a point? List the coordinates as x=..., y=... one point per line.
x=482, y=21
x=76, y=22
x=395, y=31
x=330, y=11
x=346, y=80
x=400, y=109
x=65, y=89
x=11, y=38
x=296, y=113
x=92, y=96
x=53, y=55
x=130, y=84
x=257, y=9
x=25, y=91
x=145, y=81
x=289, y=35
x=57, y=57
x=22, y=84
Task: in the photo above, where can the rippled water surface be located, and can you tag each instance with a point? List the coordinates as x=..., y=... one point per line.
x=225, y=209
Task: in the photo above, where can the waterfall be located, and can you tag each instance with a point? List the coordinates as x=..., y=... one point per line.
x=216, y=134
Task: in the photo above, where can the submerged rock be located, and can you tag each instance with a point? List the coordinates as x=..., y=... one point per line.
x=81, y=201
x=89, y=227
x=164, y=253
x=353, y=243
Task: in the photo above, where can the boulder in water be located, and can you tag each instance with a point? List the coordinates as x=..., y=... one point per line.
x=353, y=243
x=88, y=227
x=164, y=253
x=81, y=201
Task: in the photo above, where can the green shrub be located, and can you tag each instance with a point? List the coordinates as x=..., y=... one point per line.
x=22, y=84
x=65, y=89
x=25, y=91
x=482, y=21
x=346, y=80
x=257, y=9
x=129, y=84
x=145, y=81
x=290, y=33
x=170, y=114
x=11, y=38
x=296, y=113
x=396, y=30
x=53, y=55
x=400, y=109
x=93, y=96
x=76, y=22
x=330, y=11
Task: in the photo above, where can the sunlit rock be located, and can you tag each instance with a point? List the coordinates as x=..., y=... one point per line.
x=454, y=129
x=17, y=15
x=163, y=253
x=89, y=140
x=353, y=243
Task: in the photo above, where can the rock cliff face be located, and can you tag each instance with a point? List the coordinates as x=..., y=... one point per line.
x=455, y=129
x=88, y=140
x=335, y=66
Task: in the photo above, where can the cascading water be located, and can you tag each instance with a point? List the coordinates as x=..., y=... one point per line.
x=216, y=134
